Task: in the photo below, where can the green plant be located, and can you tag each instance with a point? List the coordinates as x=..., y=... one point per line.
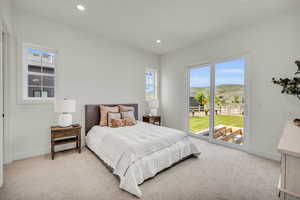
x=217, y=100
x=201, y=98
x=206, y=109
x=290, y=86
x=223, y=101
x=236, y=99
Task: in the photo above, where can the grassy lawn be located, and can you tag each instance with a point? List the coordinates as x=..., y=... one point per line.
x=202, y=123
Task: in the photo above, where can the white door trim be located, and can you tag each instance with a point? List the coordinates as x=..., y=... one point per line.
x=1, y=104
x=7, y=138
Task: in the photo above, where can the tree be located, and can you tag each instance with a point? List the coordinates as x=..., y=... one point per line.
x=223, y=101
x=218, y=102
x=236, y=99
x=203, y=101
x=201, y=98
x=206, y=109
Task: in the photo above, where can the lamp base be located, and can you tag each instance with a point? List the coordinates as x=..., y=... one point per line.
x=65, y=119
x=153, y=112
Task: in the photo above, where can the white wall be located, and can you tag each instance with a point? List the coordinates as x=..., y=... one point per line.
x=272, y=46
x=6, y=13
x=91, y=70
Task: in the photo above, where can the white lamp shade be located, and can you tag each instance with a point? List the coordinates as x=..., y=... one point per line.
x=153, y=103
x=65, y=106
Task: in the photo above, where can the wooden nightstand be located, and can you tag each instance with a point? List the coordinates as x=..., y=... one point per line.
x=65, y=135
x=152, y=120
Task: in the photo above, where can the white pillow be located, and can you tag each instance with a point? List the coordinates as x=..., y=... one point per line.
x=111, y=116
x=128, y=114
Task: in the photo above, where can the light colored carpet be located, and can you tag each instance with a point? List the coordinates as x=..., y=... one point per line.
x=218, y=174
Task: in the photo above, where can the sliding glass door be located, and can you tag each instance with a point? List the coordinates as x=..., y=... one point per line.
x=199, y=98
x=229, y=101
x=217, y=101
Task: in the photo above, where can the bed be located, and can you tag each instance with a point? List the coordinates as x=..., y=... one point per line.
x=136, y=153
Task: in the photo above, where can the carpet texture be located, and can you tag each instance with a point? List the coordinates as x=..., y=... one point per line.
x=220, y=173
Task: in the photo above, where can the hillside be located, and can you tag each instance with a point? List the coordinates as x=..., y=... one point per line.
x=222, y=90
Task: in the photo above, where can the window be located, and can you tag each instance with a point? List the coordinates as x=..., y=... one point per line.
x=39, y=73
x=151, y=84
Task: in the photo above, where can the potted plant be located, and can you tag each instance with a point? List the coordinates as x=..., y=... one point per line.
x=290, y=86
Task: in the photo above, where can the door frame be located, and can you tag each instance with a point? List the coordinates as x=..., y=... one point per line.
x=212, y=63
x=2, y=95
x=187, y=112
x=7, y=143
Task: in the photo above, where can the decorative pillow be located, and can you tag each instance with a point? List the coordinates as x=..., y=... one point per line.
x=125, y=108
x=103, y=113
x=128, y=114
x=111, y=116
x=115, y=123
x=129, y=122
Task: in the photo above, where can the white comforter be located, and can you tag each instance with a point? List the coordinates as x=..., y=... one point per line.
x=122, y=147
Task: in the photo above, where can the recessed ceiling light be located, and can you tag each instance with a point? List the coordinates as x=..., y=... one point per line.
x=80, y=7
x=158, y=41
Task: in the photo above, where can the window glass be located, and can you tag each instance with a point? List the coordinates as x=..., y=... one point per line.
x=34, y=92
x=33, y=68
x=39, y=71
x=48, y=81
x=151, y=84
x=34, y=80
x=48, y=70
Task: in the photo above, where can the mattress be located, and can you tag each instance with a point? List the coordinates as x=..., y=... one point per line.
x=136, y=153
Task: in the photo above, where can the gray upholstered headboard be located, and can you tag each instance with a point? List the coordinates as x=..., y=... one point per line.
x=92, y=114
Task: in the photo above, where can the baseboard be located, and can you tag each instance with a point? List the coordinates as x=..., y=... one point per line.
x=270, y=156
x=8, y=160
x=29, y=154
x=40, y=152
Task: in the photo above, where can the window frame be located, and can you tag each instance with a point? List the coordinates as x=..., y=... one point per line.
x=24, y=93
x=155, y=71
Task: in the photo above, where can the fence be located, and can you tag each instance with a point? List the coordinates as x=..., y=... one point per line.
x=219, y=110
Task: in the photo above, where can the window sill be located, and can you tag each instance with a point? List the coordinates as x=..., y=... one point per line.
x=36, y=101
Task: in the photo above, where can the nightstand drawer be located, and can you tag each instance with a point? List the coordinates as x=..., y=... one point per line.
x=152, y=119
x=60, y=134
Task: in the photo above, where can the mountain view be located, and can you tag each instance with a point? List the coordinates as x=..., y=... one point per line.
x=221, y=90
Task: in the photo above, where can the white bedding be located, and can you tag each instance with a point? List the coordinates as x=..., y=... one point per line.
x=139, y=152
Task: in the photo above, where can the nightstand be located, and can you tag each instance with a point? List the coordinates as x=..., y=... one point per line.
x=65, y=135
x=152, y=120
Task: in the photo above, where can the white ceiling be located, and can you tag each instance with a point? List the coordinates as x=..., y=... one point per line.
x=178, y=23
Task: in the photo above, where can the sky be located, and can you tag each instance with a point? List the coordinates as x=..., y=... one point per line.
x=30, y=50
x=231, y=72
x=150, y=81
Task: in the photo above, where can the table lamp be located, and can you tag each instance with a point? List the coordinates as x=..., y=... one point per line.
x=65, y=108
x=153, y=106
